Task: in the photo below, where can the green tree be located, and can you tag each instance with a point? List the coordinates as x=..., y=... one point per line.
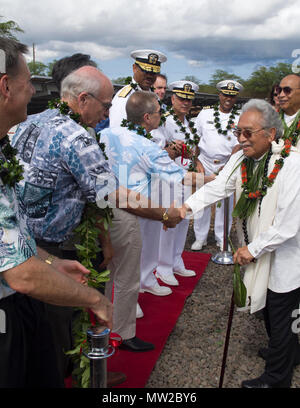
x=261, y=80
x=220, y=75
x=50, y=67
x=192, y=78
x=121, y=80
x=37, y=68
x=202, y=87
x=8, y=28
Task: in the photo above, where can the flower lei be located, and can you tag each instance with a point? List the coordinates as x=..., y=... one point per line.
x=191, y=143
x=230, y=122
x=94, y=221
x=140, y=130
x=11, y=171
x=250, y=181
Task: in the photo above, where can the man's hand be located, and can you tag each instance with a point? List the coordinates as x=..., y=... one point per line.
x=199, y=166
x=108, y=253
x=242, y=256
x=209, y=178
x=174, y=215
x=107, y=248
x=73, y=269
x=174, y=149
x=104, y=312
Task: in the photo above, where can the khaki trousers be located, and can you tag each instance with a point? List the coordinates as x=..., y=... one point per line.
x=125, y=272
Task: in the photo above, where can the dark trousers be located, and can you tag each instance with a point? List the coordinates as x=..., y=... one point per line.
x=27, y=355
x=283, y=347
x=61, y=318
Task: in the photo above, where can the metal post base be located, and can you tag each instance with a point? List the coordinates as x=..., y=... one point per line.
x=223, y=258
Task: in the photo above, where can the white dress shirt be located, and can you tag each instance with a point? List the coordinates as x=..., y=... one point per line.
x=215, y=148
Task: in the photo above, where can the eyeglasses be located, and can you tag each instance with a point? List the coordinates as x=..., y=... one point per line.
x=159, y=112
x=106, y=106
x=246, y=132
x=286, y=90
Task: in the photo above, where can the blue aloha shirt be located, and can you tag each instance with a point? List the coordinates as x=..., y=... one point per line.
x=64, y=168
x=16, y=243
x=134, y=160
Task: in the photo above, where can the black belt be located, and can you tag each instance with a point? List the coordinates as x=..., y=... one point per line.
x=42, y=243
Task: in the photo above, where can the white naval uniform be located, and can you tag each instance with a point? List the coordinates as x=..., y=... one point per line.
x=117, y=111
x=173, y=240
x=215, y=150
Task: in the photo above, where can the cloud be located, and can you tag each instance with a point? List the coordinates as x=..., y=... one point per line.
x=196, y=64
x=202, y=31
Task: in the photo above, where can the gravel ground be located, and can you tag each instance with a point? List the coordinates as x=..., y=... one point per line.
x=192, y=356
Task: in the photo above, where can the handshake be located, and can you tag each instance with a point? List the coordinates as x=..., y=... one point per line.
x=174, y=216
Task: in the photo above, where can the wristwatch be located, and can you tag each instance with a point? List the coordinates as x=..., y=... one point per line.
x=165, y=215
x=50, y=259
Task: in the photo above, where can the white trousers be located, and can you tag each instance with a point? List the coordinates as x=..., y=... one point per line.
x=171, y=246
x=150, y=232
x=202, y=224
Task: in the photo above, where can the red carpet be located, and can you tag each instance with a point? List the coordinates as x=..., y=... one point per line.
x=160, y=316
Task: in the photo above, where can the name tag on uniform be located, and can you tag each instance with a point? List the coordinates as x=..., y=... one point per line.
x=210, y=122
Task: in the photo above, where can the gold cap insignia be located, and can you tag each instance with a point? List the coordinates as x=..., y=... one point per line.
x=152, y=59
x=187, y=87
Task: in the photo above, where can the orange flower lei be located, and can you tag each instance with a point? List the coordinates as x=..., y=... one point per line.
x=267, y=181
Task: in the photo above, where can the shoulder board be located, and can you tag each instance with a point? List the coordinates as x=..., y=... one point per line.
x=125, y=91
x=207, y=107
x=166, y=114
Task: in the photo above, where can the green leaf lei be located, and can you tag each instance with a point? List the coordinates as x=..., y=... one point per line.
x=239, y=288
x=140, y=130
x=230, y=119
x=245, y=207
x=94, y=221
x=291, y=132
x=11, y=171
x=190, y=142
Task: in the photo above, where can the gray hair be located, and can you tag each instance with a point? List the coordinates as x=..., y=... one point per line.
x=139, y=103
x=270, y=118
x=77, y=82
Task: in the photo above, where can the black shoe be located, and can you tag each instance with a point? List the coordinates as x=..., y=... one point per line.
x=263, y=353
x=115, y=378
x=259, y=383
x=136, y=344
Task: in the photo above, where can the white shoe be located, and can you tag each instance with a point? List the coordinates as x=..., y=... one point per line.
x=139, y=312
x=197, y=245
x=169, y=279
x=157, y=290
x=185, y=272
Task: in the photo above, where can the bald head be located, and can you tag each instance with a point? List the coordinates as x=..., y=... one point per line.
x=289, y=95
x=85, y=79
x=88, y=92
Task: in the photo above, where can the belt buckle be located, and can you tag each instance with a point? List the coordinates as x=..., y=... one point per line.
x=216, y=161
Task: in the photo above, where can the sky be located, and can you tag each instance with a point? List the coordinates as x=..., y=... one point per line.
x=197, y=36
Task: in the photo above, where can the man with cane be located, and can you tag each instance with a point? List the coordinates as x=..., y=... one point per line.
x=265, y=176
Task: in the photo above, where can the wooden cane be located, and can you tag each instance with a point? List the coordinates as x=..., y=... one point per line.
x=229, y=324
